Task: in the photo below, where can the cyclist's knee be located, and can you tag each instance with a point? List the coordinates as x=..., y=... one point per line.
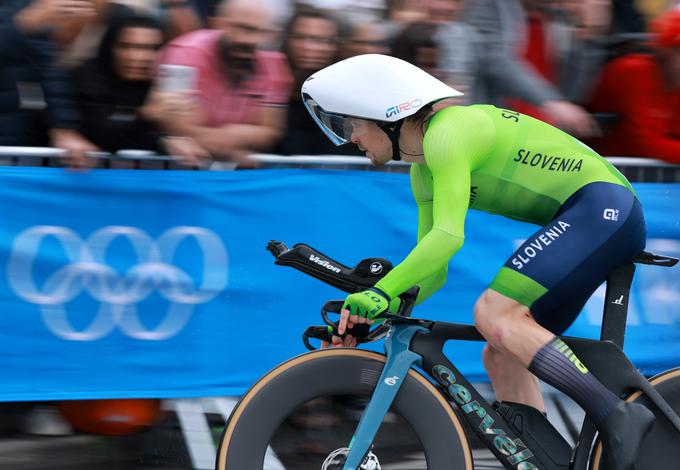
x=496, y=316
x=486, y=315
x=481, y=311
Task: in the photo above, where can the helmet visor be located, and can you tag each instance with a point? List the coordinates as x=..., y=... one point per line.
x=338, y=128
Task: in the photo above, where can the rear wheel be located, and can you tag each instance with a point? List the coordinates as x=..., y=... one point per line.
x=661, y=447
x=275, y=415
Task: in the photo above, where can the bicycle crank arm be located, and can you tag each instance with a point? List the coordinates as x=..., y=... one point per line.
x=399, y=361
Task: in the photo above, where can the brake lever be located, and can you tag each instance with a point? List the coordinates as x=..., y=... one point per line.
x=316, y=332
x=360, y=331
x=332, y=306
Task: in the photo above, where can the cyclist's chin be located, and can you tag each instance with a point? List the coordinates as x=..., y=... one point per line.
x=378, y=159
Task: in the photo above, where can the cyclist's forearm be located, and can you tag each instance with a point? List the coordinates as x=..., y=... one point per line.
x=429, y=257
x=431, y=285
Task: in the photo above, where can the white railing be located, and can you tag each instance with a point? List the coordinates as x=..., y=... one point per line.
x=636, y=169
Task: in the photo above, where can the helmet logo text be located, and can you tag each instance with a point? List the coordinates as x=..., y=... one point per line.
x=403, y=107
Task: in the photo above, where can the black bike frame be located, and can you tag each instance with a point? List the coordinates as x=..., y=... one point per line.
x=604, y=358
x=491, y=428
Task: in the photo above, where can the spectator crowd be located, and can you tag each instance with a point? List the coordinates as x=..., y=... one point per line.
x=206, y=80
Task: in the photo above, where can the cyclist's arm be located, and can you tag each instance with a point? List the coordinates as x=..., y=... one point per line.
x=421, y=184
x=456, y=140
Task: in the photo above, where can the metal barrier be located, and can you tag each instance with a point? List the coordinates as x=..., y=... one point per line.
x=635, y=169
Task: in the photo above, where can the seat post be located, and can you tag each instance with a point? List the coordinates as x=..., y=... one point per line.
x=616, y=303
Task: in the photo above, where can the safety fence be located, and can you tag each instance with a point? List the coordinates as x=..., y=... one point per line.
x=635, y=169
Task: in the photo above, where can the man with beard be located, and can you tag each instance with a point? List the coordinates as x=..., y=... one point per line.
x=236, y=103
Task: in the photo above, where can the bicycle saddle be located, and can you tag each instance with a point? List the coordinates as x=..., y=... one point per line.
x=656, y=260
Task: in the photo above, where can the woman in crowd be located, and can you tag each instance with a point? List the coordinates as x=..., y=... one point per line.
x=113, y=86
x=311, y=43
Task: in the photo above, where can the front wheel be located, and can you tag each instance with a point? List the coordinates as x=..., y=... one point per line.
x=347, y=377
x=660, y=448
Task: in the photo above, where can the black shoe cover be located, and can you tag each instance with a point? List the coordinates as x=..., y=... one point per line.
x=622, y=432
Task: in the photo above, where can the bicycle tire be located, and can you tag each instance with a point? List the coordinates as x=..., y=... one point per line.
x=339, y=371
x=660, y=448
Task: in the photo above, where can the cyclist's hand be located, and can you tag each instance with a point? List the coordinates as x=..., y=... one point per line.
x=348, y=342
x=362, y=307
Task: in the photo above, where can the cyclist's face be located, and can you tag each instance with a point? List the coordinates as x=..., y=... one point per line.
x=372, y=140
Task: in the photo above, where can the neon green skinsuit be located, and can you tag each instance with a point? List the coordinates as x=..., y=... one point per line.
x=498, y=161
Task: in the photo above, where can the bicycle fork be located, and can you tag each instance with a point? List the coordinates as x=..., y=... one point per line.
x=399, y=361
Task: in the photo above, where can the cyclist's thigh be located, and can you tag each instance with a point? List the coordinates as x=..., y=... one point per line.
x=557, y=269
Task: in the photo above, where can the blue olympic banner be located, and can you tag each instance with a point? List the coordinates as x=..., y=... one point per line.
x=157, y=284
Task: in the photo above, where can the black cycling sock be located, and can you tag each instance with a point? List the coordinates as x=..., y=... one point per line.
x=556, y=364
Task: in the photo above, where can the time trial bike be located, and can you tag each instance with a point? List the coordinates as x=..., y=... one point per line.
x=414, y=381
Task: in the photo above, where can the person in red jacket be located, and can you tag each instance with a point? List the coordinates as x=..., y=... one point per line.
x=644, y=91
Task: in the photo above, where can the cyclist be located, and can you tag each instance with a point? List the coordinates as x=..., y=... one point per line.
x=505, y=163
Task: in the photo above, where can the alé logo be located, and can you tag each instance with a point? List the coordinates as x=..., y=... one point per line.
x=403, y=107
x=515, y=451
x=376, y=268
x=324, y=263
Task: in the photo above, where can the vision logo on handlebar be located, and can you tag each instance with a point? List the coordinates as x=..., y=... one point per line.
x=324, y=263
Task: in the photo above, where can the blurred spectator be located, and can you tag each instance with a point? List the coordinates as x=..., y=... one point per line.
x=352, y=10
x=79, y=37
x=365, y=38
x=240, y=90
x=30, y=79
x=113, y=86
x=405, y=11
x=644, y=91
x=311, y=43
x=416, y=44
x=461, y=57
x=534, y=55
x=442, y=11
x=205, y=8
x=627, y=15
x=180, y=16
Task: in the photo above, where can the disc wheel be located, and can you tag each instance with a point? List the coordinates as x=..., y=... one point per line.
x=339, y=381
x=661, y=447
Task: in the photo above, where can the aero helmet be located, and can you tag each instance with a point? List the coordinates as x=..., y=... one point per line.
x=373, y=87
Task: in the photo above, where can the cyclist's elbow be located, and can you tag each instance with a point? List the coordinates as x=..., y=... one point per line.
x=449, y=243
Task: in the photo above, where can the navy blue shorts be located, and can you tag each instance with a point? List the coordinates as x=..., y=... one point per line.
x=556, y=270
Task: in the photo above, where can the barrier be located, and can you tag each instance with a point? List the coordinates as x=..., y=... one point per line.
x=635, y=169
x=116, y=289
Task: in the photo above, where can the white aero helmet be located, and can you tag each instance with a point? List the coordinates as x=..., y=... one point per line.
x=373, y=87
